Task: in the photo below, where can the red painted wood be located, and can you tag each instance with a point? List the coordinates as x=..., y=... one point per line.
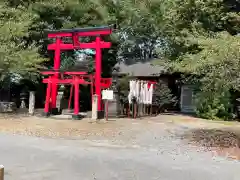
x=98, y=72
x=48, y=96
x=60, y=34
x=56, y=67
x=70, y=34
x=70, y=98
x=78, y=77
x=75, y=39
x=62, y=46
x=150, y=83
x=48, y=72
x=65, y=73
x=75, y=73
x=94, y=45
x=76, y=44
x=76, y=96
x=92, y=88
x=65, y=81
x=95, y=33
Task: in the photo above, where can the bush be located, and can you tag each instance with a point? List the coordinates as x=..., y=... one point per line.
x=214, y=103
x=124, y=89
x=162, y=96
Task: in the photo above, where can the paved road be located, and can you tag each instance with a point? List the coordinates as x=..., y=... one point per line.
x=161, y=157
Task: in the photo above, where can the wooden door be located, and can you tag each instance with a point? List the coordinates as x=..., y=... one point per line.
x=187, y=103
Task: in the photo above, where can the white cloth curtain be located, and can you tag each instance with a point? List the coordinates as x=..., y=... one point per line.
x=137, y=90
x=145, y=93
x=133, y=90
x=140, y=90
x=150, y=94
x=130, y=92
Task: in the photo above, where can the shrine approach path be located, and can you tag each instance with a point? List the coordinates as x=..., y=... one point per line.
x=131, y=149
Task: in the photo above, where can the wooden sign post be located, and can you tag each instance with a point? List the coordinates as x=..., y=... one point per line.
x=106, y=109
x=1, y=172
x=107, y=95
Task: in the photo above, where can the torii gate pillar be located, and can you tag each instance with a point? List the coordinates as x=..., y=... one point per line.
x=97, y=45
x=59, y=45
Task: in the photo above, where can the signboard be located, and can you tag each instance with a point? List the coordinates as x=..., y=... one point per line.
x=107, y=94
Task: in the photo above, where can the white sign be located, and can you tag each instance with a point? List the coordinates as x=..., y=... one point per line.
x=107, y=94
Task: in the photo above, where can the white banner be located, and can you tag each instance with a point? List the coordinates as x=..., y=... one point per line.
x=107, y=94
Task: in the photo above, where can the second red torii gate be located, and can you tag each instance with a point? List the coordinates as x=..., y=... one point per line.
x=98, y=44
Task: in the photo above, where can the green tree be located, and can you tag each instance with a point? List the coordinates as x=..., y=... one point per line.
x=217, y=65
x=16, y=55
x=162, y=96
x=204, y=43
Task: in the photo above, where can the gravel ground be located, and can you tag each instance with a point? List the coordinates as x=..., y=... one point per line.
x=149, y=149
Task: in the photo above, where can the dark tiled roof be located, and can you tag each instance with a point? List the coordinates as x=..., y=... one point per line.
x=140, y=69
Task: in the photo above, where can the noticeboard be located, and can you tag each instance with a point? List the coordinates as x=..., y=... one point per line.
x=107, y=94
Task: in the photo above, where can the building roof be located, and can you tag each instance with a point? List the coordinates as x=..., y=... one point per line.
x=140, y=69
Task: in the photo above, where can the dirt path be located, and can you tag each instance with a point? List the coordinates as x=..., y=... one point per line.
x=220, y=138
x=143, y=149
x=115, y=128
x=123, y=149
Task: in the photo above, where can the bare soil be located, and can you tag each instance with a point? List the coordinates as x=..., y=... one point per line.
x=223, y=142
x=113, y=130
x=220, y=138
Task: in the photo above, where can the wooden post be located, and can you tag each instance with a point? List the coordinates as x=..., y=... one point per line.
x=1, y=172
x=106, y=109
x=76, y=97
x=31, y=102
x=48, y=96
x=151, y=110
x=135, y=110
x=144, y=109
x=70, y=98
x=138, y=110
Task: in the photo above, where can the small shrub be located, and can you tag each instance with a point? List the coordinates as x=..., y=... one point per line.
x=214, y=104
x=162, y=96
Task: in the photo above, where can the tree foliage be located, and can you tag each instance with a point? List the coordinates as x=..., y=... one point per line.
x=197, y=37
x=17, y=56
x=208, y=48
x=162, y=96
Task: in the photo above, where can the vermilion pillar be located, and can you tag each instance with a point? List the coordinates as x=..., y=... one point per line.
x=98, y=71
x=56, y=67
x=48, y=94
x=98, y=45
x=76, y=96
x=76, y=44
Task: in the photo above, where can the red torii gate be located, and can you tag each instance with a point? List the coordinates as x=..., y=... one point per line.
x=59, y=45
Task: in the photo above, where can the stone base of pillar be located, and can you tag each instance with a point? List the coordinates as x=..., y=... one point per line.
x=46, y=115
x=55, y=111
x=77, y=117
x=100, y=114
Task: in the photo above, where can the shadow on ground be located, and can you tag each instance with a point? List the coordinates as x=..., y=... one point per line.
x=223, y=142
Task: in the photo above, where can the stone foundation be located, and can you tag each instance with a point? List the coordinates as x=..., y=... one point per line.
x=7, y=107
